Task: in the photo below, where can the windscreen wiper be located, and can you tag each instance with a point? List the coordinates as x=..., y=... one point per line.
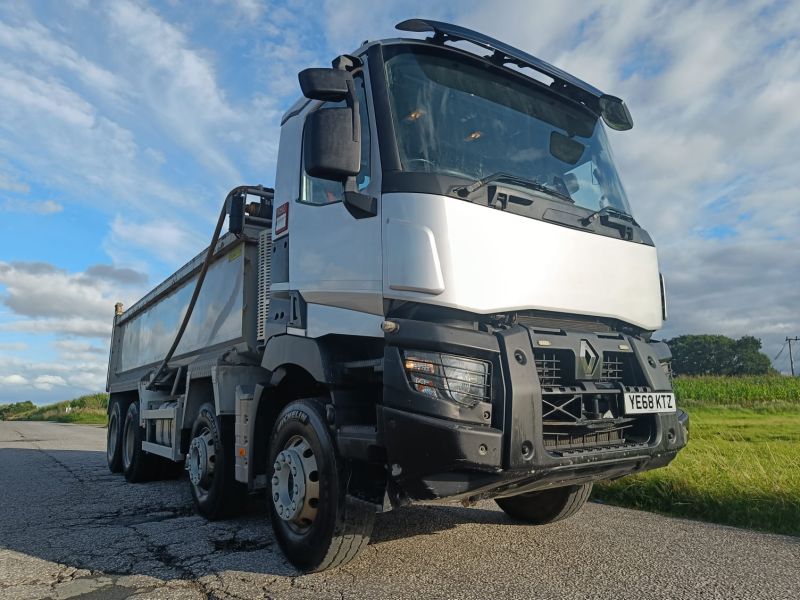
x=608, y=210
x=466, y=190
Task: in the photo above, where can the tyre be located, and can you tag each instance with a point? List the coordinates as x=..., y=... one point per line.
x=210, y=465
x=546, y=506
x=137, y=465
x=318, y=526
x=116, y=418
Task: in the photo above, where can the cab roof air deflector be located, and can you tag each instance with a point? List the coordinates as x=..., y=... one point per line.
x=612, y=109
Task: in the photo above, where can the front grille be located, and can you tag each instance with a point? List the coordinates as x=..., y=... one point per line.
x=548, y=365
x=612, y=367
x=583, y=413
x=574, y=419
x=566, y=440
x=621, y=367
x=550, y=321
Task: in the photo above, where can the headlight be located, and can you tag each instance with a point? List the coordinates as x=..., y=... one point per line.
x=461, y=380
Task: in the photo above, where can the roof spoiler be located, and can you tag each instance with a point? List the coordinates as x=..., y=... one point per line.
x=612, y=109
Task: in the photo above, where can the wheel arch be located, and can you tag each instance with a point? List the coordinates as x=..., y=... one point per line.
x=199, y=391
x=289, y=382
x=308, y=354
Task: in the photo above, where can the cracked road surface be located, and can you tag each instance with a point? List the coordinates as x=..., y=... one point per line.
x=70, y=529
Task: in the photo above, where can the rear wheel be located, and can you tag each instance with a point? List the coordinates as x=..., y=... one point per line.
x=137, y=464
x=318, y=526
x=210, y=465
x=546, y=506
x=114, y=437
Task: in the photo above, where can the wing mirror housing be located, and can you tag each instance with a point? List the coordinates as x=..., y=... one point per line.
x=329, y=85
x=332, y=135
x=329, y=148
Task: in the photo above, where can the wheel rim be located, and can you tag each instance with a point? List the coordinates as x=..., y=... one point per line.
x=201, y=461
x=295, y=484
x=128, y=442
x=113, y=435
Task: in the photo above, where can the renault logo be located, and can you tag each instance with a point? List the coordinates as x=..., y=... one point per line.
x=588, y=357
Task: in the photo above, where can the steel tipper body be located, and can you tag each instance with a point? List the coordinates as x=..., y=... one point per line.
x=445, y=298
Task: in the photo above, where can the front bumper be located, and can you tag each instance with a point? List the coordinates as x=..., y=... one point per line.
x=437, y=449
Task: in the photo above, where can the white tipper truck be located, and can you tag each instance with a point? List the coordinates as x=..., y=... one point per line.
x=444, y=298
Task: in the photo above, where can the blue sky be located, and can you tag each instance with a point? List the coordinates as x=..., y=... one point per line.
x=123, y=124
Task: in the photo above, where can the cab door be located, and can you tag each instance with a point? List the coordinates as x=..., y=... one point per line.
x=335, y=260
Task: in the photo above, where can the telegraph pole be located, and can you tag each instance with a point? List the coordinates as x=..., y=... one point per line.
x=791, y=358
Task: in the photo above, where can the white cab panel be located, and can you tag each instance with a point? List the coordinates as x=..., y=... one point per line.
x=335, y=258
x=495, y=261
x=413, y=258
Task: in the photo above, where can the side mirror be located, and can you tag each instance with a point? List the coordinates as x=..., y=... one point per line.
x=329, y=85
x=331, y=144
x=615, y=113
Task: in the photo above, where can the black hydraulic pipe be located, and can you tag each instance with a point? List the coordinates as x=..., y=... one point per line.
x=244, y=189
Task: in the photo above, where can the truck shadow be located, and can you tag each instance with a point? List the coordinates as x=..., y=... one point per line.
x=65, y=507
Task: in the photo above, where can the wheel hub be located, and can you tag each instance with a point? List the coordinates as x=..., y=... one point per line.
x=295, y=483
x=200, y=461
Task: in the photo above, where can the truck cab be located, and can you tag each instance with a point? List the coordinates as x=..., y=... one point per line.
x=446, y=298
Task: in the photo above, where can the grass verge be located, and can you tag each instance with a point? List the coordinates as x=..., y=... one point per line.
x=90, y=410
x=742, y=464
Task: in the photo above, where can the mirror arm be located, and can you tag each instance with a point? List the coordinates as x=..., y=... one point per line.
x=361, y=206
x=352, y=103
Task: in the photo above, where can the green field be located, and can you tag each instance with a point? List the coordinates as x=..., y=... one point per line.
x=86, y=409
x=742, y=464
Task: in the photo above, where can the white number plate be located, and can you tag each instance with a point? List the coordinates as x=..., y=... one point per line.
x=649, y=402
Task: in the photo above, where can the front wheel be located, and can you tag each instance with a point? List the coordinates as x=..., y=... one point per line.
x=318, y=526
x=546, y=506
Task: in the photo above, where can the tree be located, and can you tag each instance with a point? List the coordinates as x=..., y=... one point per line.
x=749, y=360
x=718, y=355
x=9, y=410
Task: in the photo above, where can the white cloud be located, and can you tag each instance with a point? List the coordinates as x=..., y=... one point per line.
x=41, y=290
x=48, y=382
x=96, y=328
x=176, y=79
x=244, y=10
x=16, y=346
x=66, y=378
x=171, y=242
x=11, y=184
x=47, y=300
x=43, y=207
x=14, y=379
x=36, y=41
x=88, y=381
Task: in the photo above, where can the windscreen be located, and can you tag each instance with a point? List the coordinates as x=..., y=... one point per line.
x=457, y=116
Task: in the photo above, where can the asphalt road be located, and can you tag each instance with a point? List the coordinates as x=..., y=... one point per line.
x=70, y=529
